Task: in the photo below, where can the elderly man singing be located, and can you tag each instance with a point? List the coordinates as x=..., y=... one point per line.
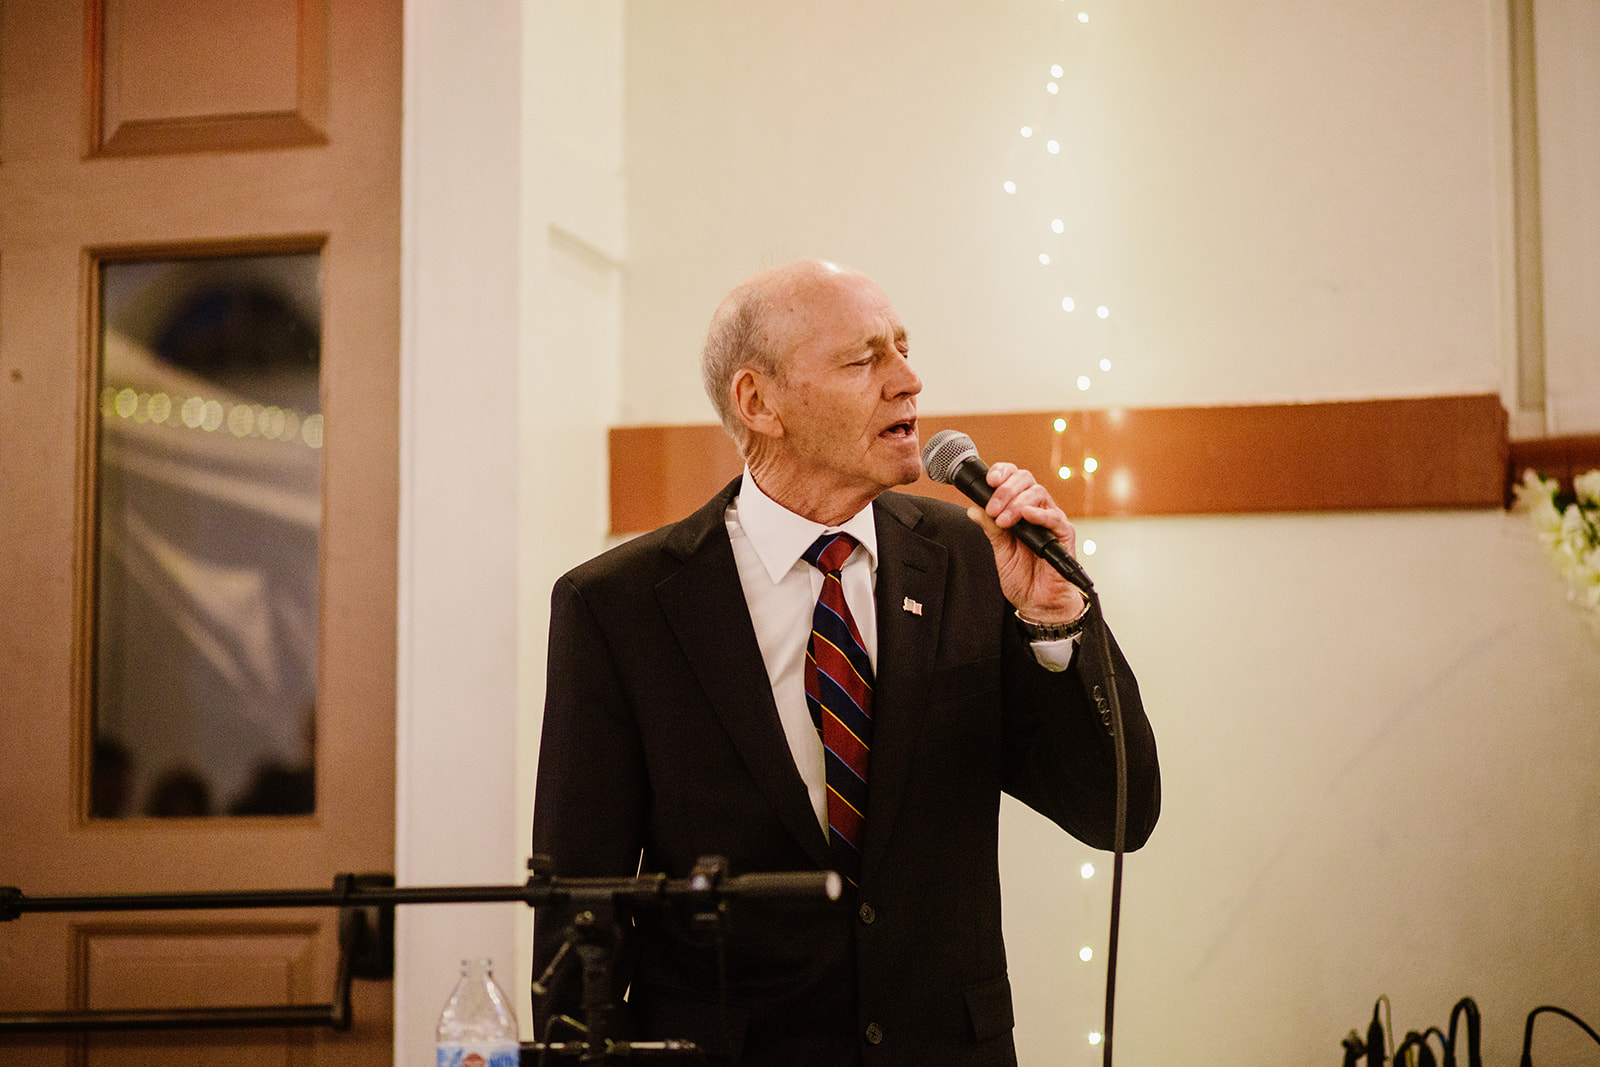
x=813, y=672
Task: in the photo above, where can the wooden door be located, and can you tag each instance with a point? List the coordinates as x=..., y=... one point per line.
x=179, y=130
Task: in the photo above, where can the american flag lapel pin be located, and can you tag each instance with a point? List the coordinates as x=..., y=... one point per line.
x=912, y=606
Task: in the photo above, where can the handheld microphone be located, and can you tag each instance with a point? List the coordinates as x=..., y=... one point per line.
x=951, y=458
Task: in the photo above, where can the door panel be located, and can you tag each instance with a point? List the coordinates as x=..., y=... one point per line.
x=137, y=129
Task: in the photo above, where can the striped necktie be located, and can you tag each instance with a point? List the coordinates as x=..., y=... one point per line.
x=838, y=679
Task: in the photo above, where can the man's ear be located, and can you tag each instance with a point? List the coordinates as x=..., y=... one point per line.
x=753, y=401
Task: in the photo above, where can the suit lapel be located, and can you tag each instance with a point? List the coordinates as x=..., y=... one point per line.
x=910, y=605
x=704, y=605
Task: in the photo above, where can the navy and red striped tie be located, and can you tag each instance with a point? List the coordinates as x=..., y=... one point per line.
x=838, y=679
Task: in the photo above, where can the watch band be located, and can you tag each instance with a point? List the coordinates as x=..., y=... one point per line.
x=1052, y=631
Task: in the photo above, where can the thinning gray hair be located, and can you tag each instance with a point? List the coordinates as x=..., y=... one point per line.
x=738, y=338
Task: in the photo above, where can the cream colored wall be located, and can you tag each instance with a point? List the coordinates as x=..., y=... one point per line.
x=512, y=254
x=573, y=251
x=1378, y=737
x=1276, y=202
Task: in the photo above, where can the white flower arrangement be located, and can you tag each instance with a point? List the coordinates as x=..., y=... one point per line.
x=1568, y=526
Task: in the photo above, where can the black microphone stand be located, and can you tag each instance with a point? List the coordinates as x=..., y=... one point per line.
x=708, y=889
x=366, y=920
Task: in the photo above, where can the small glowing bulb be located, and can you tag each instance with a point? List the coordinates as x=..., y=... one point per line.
x=1063, y=473
x=1056, y=71
x=1103, y=311
x=1027, y=131
x=1105, y=364
x=1067, y=304
x=1087, y=870
x=1052, y=88
x=1090, y=464
x=1083, y=382
x=1053, y=147
x=1094, y=1037
x=1083, y=16
x=1088, y=547
x=1044, y=257
x=1086, y=953
x=1010, y=187
x=1058, y=226
x=1060, y=425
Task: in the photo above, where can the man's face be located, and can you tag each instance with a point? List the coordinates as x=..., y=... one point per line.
x=848, y=396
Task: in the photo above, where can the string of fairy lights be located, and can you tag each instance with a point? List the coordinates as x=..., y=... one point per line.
x=1036, y=180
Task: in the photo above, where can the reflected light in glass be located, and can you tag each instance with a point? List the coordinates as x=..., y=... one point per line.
x=192, y=412
x=1027, y=131
x=1063, y=473
x=311, y=431
x=1044, y=257
x=1105, y=364
x=1056, y=71
x=1087, y=871
x=127, y=400
x=1086, y=953
x=1083, y=382
x=1060, y=425
x=1058, y=226
x=1121, y=485
x=241, y=420
x=211, y=416
x=1083, y=16
x=141, y=408
x=1010, y=187
x=160, y=407
x=1102, y=311
x=1052, y=88
x=1053, y=147
x=1067, y=303
x=1094, y=1037
x=1089, y=547
x=1090, y=464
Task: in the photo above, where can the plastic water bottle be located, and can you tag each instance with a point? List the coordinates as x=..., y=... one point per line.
x=477, y=1028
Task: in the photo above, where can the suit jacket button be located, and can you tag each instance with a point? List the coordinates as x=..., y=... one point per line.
x=874, y=1033
x=867, y=914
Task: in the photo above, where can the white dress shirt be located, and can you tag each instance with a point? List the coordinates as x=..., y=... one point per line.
x=781, y=590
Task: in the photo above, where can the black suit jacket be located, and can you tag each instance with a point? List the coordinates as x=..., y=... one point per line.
x=661, y=739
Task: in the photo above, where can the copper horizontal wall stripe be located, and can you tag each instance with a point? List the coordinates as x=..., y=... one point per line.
x=1424, y=452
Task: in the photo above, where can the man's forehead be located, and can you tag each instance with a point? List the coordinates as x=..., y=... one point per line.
x=849, y=311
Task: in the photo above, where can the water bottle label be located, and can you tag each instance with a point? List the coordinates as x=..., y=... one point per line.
x=479, y=1055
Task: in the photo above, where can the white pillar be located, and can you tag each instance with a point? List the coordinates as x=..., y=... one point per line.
x=457, y=695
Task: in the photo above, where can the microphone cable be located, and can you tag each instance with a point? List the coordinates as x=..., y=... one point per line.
x=1110, y=707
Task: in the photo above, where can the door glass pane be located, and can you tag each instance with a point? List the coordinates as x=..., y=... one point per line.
x=209, y=507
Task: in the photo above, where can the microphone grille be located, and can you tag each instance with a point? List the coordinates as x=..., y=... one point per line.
x=944, y=452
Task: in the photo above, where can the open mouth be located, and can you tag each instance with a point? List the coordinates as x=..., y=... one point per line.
x=901, y=430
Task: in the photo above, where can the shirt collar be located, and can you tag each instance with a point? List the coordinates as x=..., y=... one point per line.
x=780, y=537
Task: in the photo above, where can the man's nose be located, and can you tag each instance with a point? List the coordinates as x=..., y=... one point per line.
x=903, y=380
